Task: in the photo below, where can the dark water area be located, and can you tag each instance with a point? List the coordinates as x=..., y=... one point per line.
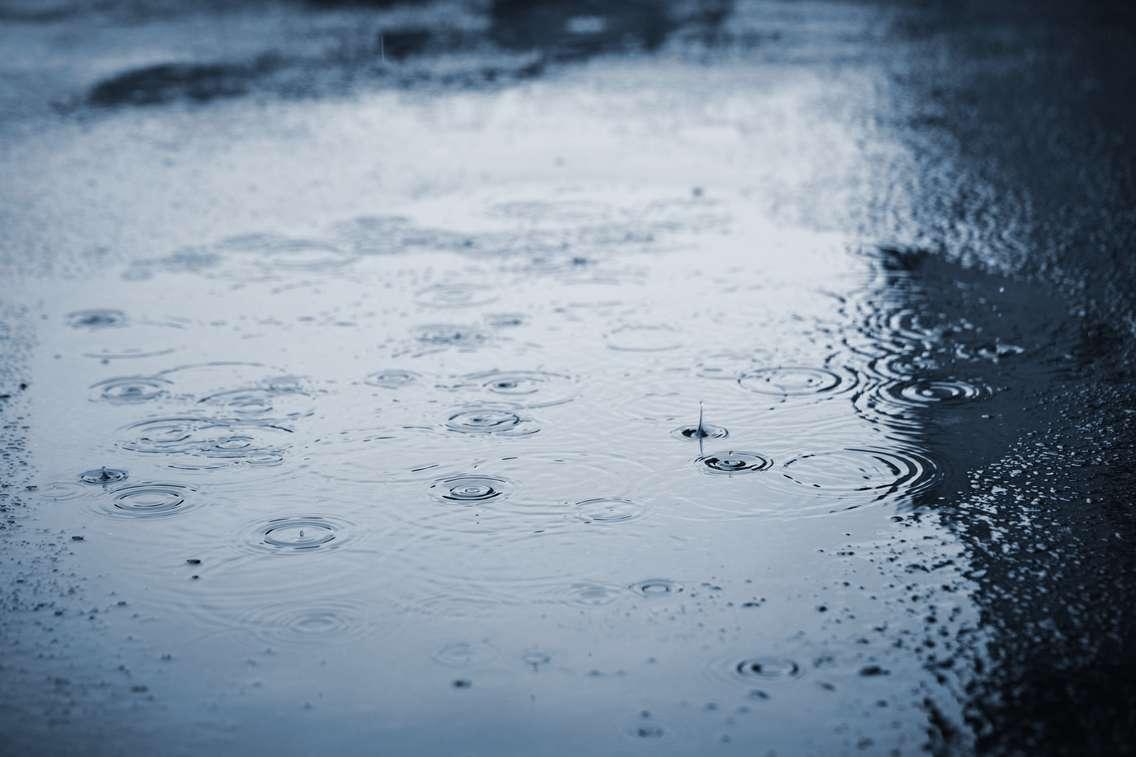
x=566, y=378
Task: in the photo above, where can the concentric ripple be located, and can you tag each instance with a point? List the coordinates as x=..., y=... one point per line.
x=454, y=295
x=586, y=594
x=654, y=588
x=449, y=335
x=892, y=367
x=289, y=253
x=506, y=320
x=297, y=534
x=529, y=388
x=704, y=431
x=903, y=405
x=470, y=489
x=871, y=472
x=317, y=621
x=466, y=654
x=565, y=211
x=380, y=454
x=275, y=396
x=604, y=511
x=897, y=324
x=102, y=476
x=643, y=338
x=127, y=390
x=935, y=391
x=191, y=442
x=723, y=365
x=149, y=500
x=495, y=421
x=391, y=378
x=766, y=668
x=242, y=401
x=797, y=381
x=733, y=462
x=98, y=318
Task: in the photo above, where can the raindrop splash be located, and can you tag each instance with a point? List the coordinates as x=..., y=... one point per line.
x=297, y=534
x=128, y=390
x=449, y=335
x=654, y=588
x=496, y=421
x=103, y=475
x=700, y=431
x=99, y=318
x=470, y=489
x=767, y=668
x=732, y=462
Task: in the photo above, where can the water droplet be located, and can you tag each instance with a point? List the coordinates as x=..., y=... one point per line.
x=705, y=431
x=294, y=534
x=103, y=476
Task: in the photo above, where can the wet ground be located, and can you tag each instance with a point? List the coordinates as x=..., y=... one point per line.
x=561, y=378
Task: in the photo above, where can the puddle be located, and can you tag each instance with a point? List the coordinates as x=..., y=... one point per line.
x=495, y=402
